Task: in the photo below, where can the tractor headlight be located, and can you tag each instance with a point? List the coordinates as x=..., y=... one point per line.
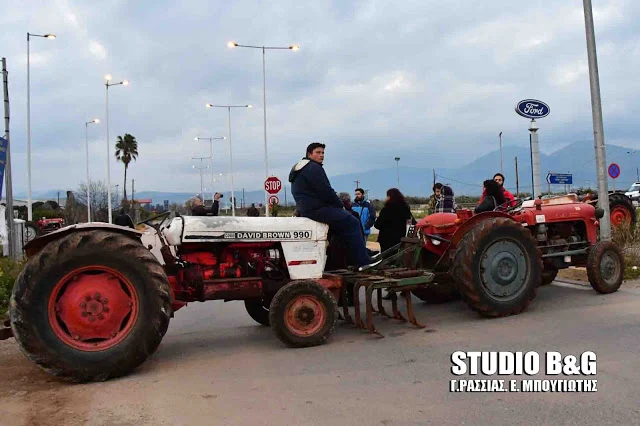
x=435, y=242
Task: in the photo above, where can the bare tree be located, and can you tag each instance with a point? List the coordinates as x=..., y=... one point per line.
x=99, y=200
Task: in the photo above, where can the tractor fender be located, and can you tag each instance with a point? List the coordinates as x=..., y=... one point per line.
x=466, y=226
x=35, y=245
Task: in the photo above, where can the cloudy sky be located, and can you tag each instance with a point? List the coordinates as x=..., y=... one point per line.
x=432, y=82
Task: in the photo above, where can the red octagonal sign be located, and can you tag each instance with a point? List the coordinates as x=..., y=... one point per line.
x=272, y=185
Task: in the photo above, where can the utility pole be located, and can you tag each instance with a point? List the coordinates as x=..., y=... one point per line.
x=133, y=190
x=517, y=179
x=58, y=198
x=357, y=182
x=398, y=169
x=434, y=177
x=11, y=232
x=242, y=198
x=285, y=195
x=598, y=131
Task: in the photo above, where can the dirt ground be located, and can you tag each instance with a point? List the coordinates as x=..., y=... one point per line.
x=580, y=275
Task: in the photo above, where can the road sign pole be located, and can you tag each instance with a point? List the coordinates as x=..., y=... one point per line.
x=598, y=132
x=535, y=158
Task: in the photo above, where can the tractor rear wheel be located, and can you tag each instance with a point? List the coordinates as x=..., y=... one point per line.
x=622, y=211
x=497, y=267
x=90, y=306
x=258, y=310
x=605, y=267
x=303, y=313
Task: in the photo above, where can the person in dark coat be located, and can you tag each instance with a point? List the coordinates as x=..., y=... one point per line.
x=392, y=222
x=493, y=197
x=198, y=208
x=393, y=219
x=253, y=211
x=123, y=219
x=317, y=200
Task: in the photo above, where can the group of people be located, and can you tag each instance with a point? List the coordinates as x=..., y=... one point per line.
x=352, y=221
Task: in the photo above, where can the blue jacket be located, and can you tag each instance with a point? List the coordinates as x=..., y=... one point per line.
x=367, y=214
x=311, y=188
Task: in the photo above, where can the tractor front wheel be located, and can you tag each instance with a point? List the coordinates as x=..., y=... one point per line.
x=303, y=313
x=497, y=267
x=549, y=275
x=605, y=267
x=91, y=306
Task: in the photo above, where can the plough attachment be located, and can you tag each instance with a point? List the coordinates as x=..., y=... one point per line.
x=384, y=276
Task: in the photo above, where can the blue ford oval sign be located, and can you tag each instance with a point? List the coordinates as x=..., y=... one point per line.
x=531, y=108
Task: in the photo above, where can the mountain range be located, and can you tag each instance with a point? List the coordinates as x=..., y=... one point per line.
x=577, y=158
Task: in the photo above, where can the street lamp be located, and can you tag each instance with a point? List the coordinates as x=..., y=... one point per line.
x=211, y=154
x=29, y=35
x=201, y=168
x=233, y=44
x=86, y=141
x=500, y=137
x=107, y=84
x=398, y=169
x=228, y=107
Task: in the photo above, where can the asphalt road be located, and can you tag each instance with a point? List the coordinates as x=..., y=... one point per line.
x=216, y=366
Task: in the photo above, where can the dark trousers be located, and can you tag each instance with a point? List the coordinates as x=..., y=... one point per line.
x=342, y=223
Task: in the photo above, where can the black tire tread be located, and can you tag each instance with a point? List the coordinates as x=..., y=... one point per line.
x=548, y=276
x=257, y=311
x=64, y=249
x=463, y=261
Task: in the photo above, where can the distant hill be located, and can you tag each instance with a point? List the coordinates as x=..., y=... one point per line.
x=577, y=158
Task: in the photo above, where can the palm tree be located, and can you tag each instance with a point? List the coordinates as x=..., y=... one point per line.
x=126, y=150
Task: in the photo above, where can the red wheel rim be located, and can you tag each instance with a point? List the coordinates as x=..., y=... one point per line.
x=93, y=308
x=620, y=215
x=305, y=315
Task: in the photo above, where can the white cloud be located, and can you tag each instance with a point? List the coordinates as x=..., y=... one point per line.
x=97, y=50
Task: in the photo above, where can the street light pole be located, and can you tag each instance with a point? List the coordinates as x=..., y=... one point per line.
x=86, y=142
x=29, y=201
x=500, y=136
x=201, y=168
x=233, y=44
x=398, y=170
x=107, y=85
x=598, y=131
x=211, y=154
x=228, y=107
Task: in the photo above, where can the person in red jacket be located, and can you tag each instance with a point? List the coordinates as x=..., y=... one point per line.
x=499, y=179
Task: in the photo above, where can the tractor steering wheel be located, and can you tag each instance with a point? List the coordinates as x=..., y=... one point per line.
x=157, y=227
x=509, y=206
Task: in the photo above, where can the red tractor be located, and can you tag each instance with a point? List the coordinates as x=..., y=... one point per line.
x=561, y=230
x=93, y=302
x=622, y=210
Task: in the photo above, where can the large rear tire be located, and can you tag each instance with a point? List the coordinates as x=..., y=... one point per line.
x=622, y=211
x=303, y=313
x=91, y=306
x=605, y=267
x=497, y=267
x=258, y=310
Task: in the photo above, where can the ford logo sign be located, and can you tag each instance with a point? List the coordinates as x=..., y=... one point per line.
x=531, y=108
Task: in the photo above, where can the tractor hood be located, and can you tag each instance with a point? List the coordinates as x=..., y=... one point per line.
x=194, y=229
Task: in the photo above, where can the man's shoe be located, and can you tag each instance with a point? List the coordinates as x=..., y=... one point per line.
x=369, y=266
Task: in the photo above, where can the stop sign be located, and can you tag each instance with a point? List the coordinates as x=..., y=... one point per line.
x=272, y=185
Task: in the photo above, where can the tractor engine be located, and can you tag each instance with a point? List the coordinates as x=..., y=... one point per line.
x=235, y=271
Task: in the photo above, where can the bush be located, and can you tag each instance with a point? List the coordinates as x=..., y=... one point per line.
x=9, y=270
